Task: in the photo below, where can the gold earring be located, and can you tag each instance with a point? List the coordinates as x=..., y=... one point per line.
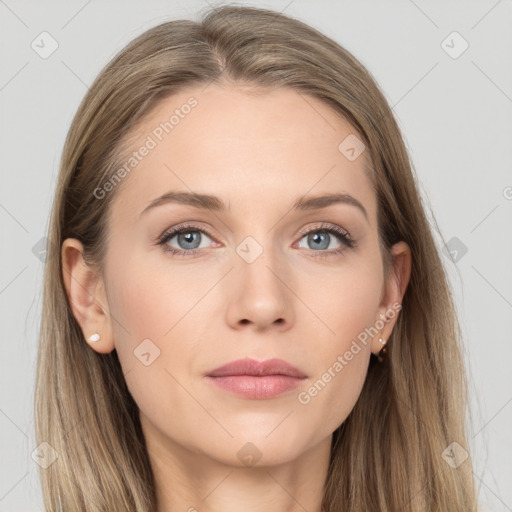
x=382, y=354
x=93, y=338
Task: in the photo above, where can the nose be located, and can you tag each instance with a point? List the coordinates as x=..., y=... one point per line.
x=259, y=295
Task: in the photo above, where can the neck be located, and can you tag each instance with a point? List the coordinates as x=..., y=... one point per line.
x=194, y=482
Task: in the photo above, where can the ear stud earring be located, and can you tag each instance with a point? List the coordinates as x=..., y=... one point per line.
x=382, y=354
x=93, y=338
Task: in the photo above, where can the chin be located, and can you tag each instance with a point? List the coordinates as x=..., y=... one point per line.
x=258, y=447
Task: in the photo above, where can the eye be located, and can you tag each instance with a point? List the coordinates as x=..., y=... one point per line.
x=189, y=240
x=320, y=238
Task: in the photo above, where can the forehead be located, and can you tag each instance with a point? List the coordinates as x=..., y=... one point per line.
x=244, y=144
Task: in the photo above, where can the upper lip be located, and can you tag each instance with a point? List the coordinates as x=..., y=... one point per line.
x=252, y=367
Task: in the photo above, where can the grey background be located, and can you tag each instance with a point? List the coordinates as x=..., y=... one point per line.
x=456, y=116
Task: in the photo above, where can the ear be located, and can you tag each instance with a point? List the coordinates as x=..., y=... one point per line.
x=394, y=290
x=86, y=292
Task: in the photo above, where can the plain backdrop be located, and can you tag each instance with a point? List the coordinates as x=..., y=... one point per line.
x=445, y=68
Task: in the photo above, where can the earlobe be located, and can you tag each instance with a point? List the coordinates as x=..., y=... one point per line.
x=87, y=298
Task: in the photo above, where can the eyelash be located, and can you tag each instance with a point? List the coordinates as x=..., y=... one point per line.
x=345, y=238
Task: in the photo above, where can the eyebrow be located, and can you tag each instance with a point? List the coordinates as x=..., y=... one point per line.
x=214, y=203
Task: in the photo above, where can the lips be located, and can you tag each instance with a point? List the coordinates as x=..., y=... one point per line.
x=257, y=369
x=257, y=380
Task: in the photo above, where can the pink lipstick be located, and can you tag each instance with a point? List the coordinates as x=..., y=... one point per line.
x=257, y=380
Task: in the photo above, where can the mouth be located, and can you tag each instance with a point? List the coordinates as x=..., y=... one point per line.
x=257, y=380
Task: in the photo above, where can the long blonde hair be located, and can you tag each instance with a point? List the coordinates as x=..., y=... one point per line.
x=389, y=454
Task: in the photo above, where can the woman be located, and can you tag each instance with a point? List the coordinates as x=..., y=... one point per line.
x=245, y=307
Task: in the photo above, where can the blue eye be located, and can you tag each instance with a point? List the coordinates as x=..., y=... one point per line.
x=321, y=238
x=189, y=238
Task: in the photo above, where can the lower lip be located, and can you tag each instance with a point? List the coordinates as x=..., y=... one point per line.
x=259, y=388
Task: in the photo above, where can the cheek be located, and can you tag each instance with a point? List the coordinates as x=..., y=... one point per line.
x=345, y=299
x=334, y=391
x=347, y=308
x=154, y=312
x=149, y=297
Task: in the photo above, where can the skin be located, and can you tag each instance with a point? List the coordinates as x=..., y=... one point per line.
x=259, y=153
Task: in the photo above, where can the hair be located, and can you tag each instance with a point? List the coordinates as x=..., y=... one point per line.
x=388, y=453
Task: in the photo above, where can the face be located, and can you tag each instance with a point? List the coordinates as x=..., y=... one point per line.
x=191, y=287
